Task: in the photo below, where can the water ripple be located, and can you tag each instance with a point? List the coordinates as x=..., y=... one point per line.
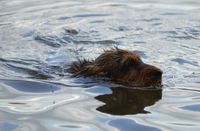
x=92, y=15
x=40, y=39
x=183, y=33
x=192, y=107
x=183, y=61
x=30, y=86
x=36, y=104
x=58, y=41
x=129, y=125
x=49, y=40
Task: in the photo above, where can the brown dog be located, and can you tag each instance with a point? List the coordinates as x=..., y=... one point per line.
x=120, y=66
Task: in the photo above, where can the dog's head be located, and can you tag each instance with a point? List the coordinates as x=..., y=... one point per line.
x=127, y=67
x=134, y=70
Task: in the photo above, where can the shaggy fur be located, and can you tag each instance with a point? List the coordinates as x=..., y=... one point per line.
x=120, y=66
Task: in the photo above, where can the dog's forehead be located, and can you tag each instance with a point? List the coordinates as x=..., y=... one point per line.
x=133, y=55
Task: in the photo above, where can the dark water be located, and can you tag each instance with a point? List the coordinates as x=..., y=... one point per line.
x=39, y=39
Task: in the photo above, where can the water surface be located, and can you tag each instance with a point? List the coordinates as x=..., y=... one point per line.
x=39, y=39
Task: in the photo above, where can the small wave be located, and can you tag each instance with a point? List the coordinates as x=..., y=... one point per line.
x=183, y=61
x=68, y=37
x=192, y=107
x=183, y=34
x=165, y=6
x=19, y=61
x=23, y=67
x=35, y=74
x=63, y=18
x=52, y=41
x=115, y=4
x=172, y=13
x=108, y=42
x=91, y=15
x=129, y=124
x=97, y=21
x=55, y=70
x=30, y=86
x=150, y=20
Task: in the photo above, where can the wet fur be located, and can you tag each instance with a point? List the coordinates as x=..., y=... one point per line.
x=121, y=66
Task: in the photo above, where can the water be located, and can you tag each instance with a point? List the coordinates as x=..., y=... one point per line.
x=39, y=39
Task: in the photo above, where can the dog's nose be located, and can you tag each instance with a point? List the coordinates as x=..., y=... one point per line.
x=157, y=73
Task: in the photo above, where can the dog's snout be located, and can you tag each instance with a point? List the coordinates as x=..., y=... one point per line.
x=157, y=73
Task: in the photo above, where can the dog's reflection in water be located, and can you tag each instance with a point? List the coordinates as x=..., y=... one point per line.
x=124, y=101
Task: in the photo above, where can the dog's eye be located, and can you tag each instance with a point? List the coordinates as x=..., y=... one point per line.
x=132, y=63
x=128, y=64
